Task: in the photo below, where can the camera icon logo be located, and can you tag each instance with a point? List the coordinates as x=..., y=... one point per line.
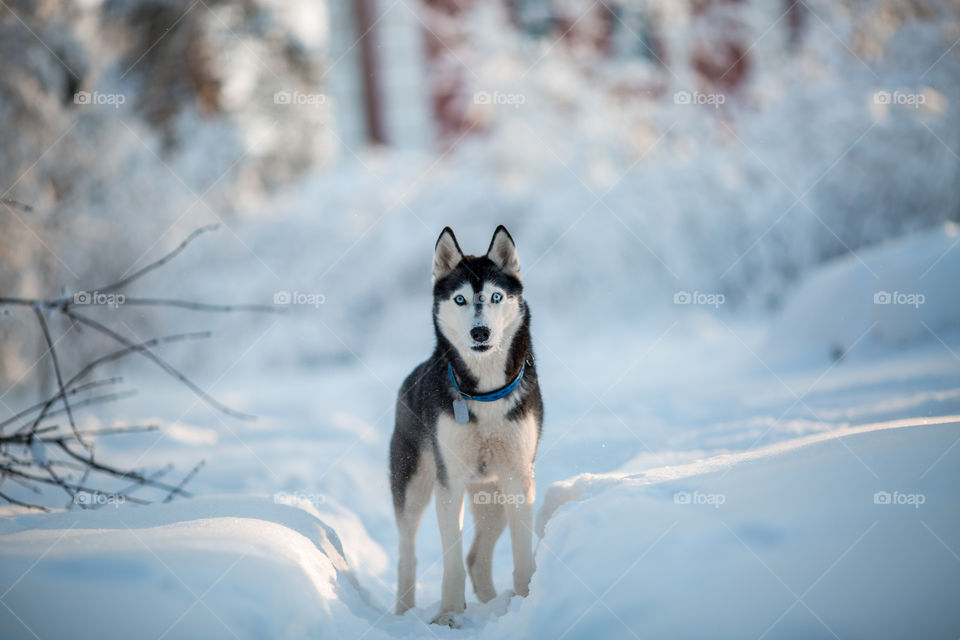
x=281, y=297
x=81, y=97
x=481, y=97
x=282, y=97
x=681, y=97
x=882, y=97
x=681, y=497
x=81, y=297
x=882, y=297
x=881, y=497
x=681, y=297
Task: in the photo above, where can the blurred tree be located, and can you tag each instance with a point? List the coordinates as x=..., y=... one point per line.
x=119, y=114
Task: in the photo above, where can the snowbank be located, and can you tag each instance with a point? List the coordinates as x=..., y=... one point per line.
x=893, y=293
x=211, y=568
x=850, y=536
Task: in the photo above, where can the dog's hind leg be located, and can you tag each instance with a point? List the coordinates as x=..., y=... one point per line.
x=490, y=521
x=416, y=495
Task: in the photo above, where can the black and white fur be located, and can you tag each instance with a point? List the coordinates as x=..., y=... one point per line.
x=485, y=335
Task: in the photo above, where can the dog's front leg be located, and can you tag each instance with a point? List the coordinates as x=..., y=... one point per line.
x=450, y=518
x=520, y=493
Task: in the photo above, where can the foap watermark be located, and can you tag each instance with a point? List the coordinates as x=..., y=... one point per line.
x=496, y=497
x=897, y=498
x=96, y=98
x=501, y=99
x=699, y=297
x=695, y=97
x=695, y=497
x=914, y=99
x=298, y=497
x=297, y=98
x=97, y=298
x=97, y=499
x=899, y=297
x=299, y=298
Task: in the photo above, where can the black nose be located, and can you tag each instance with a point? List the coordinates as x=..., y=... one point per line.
x=480, y=334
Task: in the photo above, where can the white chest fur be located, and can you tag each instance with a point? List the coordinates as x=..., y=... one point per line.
x=490, y=446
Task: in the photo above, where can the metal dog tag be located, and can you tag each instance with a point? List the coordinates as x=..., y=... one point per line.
x=460, y=411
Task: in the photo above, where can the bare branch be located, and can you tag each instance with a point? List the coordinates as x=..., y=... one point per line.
x=63, y=485
x=33, y=435
x=24, y=439
x=187, y=478
x=146, y=428
x=83, y=480
x=72, y=392
x=23, y=504
x=116, y=355
x=159, y=473
x=119, y=284
x=201, y=306
x=72, y=485
x=86, y=402
x=120, y=473
x=56, y=368
x=29, y=487
x=147, y=353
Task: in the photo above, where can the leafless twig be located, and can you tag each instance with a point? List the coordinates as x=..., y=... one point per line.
x=37, y=453
x=119, y=284
x=187, y=478
x=51, y=349
x=160, y=362
x=73, y=391
x=201, y=306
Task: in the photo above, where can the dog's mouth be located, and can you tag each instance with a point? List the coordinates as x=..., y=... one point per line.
x=480, y=348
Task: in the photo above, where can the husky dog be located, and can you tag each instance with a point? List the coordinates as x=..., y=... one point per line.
x=468, y=421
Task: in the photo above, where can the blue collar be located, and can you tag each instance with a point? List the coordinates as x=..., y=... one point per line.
x=493, y=395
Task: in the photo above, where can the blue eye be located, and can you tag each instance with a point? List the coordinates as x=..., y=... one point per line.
x=460, y=300
x=497, y=297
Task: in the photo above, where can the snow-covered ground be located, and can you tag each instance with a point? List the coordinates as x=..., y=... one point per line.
x=702, y=474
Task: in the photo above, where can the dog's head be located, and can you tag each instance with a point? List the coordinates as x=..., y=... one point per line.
x=477, y=301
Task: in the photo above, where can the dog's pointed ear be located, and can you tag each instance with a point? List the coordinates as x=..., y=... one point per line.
x=503, y=252
x=446, y=255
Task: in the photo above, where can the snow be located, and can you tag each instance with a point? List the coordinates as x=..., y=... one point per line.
x=696, y=492
x=902, y=292
x=205, y=567
x=782, y=544
x=705, y=471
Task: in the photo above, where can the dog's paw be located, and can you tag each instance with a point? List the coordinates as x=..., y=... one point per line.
x=447, y=619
